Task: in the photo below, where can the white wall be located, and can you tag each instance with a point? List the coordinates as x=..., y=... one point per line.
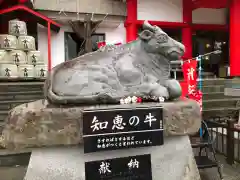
x=113, y=35
x=209, y=16
x=57, y=45
x=160, y=10
x=171, y=11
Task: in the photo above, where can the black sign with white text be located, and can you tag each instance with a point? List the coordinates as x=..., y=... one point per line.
x=111, y=129
x=126, y=168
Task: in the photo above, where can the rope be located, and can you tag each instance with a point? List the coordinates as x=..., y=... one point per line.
x=195, y=58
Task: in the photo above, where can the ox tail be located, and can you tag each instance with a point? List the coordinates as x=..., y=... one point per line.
x=80, y=100
x=54, y=98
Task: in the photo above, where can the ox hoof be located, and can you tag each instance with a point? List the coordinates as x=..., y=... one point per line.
x=161, y=92
x=174, y=88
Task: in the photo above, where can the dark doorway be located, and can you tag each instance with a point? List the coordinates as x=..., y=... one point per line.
x=73, y=44
x=208, y=41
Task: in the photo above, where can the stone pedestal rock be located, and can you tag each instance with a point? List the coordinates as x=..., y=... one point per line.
x=38, y=123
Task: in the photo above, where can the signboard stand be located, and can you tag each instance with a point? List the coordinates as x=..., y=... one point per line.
x=112, y=129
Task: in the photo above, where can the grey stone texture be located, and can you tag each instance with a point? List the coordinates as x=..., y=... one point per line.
x=172, y=161
x=139, y=68
x=39, y=123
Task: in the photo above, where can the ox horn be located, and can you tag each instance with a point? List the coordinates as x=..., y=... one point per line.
x=148, y=26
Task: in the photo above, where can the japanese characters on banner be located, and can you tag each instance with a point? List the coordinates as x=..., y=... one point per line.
x=190, y=76
x=112, y=129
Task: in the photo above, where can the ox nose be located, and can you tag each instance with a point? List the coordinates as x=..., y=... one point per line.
x=176, y=51
x=181, y=47
x=174, y=54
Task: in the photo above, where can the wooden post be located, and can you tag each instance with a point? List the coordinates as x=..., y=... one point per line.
x=88, y=33
x=230, y=142
x=49, y=47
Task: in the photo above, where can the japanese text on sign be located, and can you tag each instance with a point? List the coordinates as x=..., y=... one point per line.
x=125, y=168
x=125, y=141
x=118, y=122
x=122, y=128
x=105, y=166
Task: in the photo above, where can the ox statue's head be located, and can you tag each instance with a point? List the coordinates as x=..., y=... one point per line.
x=158, y=42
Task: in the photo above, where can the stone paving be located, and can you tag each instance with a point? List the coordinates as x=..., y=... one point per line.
x=229, y=172
x=12, y=173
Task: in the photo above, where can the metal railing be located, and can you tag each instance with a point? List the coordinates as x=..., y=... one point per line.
x=176, y=70
x=226, y=138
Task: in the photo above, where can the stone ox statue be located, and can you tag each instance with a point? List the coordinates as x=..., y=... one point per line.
x=139, y=68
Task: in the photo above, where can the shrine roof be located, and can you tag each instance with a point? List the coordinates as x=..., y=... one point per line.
x=23, y=12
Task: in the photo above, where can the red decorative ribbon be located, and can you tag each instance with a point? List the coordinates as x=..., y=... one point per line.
x=101, y=44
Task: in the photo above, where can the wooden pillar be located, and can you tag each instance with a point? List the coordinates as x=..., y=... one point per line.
x=131, y=25
x=88, y=33
x=234, y=38
x=187, y=31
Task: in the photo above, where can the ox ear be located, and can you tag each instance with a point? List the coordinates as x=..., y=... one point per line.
x=146, y=35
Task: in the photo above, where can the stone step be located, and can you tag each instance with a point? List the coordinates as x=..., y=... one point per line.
x=19, y=87
x=207, y=75
x=28, y=96
x=3, y=115
x=15, y=102
x=213, y=88
x=218, y=103
x=219, y=112
x=220, y=81
x=13, y=93
x=215, y=95
x=38, y=83
x=2, y=124
x=6, y=106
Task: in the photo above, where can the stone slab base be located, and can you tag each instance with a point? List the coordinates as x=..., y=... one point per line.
x=172, y=161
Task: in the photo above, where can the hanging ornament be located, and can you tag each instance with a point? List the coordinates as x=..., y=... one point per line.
x=139, y=100
x=161, y=99
x=134, y=99
x=122, y=101
x=155, y=98
x=128, y=100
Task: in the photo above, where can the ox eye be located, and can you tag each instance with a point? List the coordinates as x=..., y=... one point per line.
x=162, y=38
